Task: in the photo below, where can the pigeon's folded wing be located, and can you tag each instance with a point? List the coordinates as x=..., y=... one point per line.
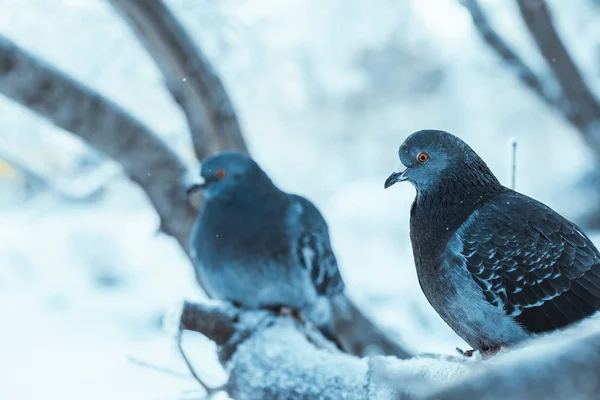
x=314, y=247
x=536, y=265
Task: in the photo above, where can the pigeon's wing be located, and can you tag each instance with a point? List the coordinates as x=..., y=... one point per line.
x=313, y=247
x=536, y=265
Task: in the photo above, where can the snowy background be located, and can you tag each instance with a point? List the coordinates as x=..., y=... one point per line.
x=326, y=90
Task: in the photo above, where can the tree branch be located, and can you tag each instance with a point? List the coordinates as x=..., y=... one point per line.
x=579, y=104
x=213, y=125
x=358, y=335
x=144, y=158
x=574, y=102
x=216, y=127
x=275, y=357
x=74, y=107
x=188, y=74
x=269, y=356
x=512, y=59
x=562, y=365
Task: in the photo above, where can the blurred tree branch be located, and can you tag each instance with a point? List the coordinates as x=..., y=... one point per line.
x=512, y=59
x=213, y=124
x=359, y=335
x=575, y=102
x=188, y=74
x=146, y=159
x=33, y=179
x=76, y=108
x=579, y=104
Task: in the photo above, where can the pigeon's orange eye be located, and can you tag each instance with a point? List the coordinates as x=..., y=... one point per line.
x=423, y=157
x=220, y=174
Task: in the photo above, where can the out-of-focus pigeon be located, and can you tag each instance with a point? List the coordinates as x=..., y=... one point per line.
x=495, y=264
x=259, y=247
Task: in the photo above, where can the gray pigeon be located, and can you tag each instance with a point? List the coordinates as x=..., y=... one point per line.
x=496, y=265
x=259, y=247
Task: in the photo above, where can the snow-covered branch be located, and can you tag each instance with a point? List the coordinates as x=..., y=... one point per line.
x=269, y=356
x=562, y=365
x=188, y=74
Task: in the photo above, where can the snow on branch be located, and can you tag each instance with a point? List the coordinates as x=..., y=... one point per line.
x=269, y=356
x=190, y=77
x=561, y=365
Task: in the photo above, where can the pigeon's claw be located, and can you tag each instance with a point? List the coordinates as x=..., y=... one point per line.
x=492, y=351
x=284, y=311
x=485, y=353
x=466, y=353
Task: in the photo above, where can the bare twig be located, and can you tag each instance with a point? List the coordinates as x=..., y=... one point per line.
x=209, y=391
x=188, y=74
x=157, y=368
x=513, y=163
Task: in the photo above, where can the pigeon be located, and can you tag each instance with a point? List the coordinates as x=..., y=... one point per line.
x=258, y=247
x=496, y=265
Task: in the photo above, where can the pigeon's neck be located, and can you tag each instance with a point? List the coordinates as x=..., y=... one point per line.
x=440, y=210
x=251, y=197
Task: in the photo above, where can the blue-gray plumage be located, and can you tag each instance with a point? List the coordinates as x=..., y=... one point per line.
x=257, y=246
x=495, y=264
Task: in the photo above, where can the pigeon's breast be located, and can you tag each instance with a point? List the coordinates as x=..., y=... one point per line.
x=251, y=265
x=456, y=297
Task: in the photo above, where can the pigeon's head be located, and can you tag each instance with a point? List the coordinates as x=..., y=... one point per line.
x=226, y=173
x=429, y=158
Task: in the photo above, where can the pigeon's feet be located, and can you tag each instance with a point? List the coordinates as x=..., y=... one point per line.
x=465, y=353
x=485, y=353
x=492, y=351
x=285, y=311
x=290, y=312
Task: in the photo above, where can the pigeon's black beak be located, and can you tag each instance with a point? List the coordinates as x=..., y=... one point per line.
x=398, y=175
x=193, y=184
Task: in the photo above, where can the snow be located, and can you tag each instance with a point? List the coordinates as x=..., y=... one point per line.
x=326, y=91
x=309, y=373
